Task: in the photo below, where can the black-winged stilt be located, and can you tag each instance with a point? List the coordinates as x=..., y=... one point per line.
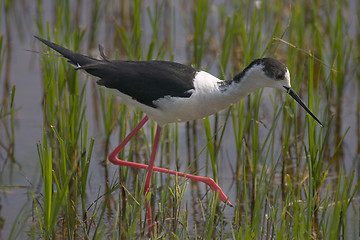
x=171, y=92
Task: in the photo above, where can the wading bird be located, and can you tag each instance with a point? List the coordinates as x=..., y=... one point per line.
x=169, y=92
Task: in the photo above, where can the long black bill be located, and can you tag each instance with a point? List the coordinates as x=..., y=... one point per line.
x=298, y=99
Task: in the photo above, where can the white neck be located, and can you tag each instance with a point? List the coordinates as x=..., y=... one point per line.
x=210, y=96
x=239, y=88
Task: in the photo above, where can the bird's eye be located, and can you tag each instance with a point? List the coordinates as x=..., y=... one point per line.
x=279, y=76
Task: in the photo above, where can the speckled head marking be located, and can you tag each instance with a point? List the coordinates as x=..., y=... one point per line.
x=271, y=67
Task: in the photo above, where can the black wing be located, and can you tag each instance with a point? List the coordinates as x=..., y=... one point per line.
x=147, y=81
x=144, y=81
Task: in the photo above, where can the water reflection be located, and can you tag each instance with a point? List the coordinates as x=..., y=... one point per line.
x=7, y=138
x=6, y=108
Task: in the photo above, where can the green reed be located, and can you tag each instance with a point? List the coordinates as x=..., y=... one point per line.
x=282, y=158
x=7, y=106
x=64, y=152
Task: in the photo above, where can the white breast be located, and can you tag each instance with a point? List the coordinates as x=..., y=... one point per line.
x=206, y=100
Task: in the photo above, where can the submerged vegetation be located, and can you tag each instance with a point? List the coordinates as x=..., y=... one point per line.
x=287, y=177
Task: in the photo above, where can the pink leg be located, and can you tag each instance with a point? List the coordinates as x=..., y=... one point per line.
x=113, y=158
x=150, y=168
x=149, y=171
x=152, y=160
x=208, y=181
x=113, y=155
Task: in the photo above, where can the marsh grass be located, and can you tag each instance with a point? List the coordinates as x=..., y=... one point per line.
x=288, y=175
x=7, y=109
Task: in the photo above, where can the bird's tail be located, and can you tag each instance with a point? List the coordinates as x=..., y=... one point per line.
x=79, y=61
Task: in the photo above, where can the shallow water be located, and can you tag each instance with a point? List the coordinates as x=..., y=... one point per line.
x=23, y=68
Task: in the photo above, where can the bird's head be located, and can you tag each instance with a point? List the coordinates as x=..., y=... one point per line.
x=269, y=72
x=266, y=72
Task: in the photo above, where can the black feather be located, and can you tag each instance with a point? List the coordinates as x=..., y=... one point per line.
x=144, y=81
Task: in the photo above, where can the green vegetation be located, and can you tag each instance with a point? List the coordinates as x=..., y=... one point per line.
x=287, y=177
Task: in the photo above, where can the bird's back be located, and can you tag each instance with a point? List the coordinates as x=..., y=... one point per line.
x=142, y=81
x=145, y=81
